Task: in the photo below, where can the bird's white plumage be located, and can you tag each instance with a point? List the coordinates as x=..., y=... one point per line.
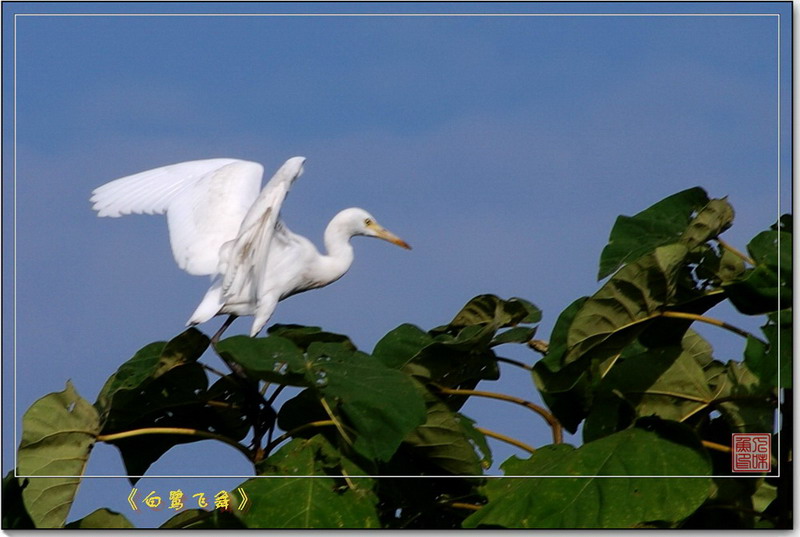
x=221, y=225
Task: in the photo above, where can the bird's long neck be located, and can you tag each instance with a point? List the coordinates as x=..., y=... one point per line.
x=339, y=255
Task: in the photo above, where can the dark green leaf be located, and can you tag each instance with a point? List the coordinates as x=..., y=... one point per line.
x=200, y=519
x=273, y=359
x=15, y=516
x=58, y=432
x=500, y=313
x=380, y=403
x=661, y=224
x=303, y=336
x=612, y=317
x=446, y=439
x=401, y=345
x=768, y=286
x=101, y=519
x=594, y=502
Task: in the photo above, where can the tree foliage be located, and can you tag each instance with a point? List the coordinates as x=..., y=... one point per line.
x=383, y=433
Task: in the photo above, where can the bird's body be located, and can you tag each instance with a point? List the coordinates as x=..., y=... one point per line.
x=221, y=225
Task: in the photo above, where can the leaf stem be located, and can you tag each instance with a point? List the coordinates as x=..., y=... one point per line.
x=709, y=320
x=506, y=439
x=549, y=418
x=338, y=425
x=285, y=436
x=175, y=430
x=736, y=252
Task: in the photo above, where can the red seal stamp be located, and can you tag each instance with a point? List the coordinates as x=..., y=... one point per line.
x=750, y=452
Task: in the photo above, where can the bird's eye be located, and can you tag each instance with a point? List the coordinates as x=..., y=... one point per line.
x=368, y=221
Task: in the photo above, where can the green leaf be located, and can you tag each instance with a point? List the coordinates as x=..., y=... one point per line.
x=501, y=313
x=768, y=286
x=748, y=405
x=518, y=334
x=162, y=385
x=200, y=519
x=764, y=360
x=58, y=432
x=382, y=404
x=662, y=223
x=295, y=501
x=401, y=345
x=151, y=362
x=448, y=440
x=303, y=336
x=667, y=382
x=600, y=502
x=15, y=516
x=713, y=219
x=273, y=359
x=612, y=317
x=101, y=519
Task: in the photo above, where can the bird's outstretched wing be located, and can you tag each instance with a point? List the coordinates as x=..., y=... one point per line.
x=247, y=257
x=205, y=202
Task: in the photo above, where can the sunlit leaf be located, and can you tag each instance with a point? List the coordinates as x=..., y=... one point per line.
x=616, y=314
x=592, y=501
x=58, y=433
x=295, y=501
x=661, y=224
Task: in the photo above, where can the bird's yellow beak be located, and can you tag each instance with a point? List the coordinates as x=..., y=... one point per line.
x=387, y=235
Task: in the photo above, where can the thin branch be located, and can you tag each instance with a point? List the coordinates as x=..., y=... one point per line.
x=514, y=362
x=175, y=430
x=275, y=394
x=709, y=320
x=549, y=418
x=335, y=421
x=734, y=251
x=285, y=436
x=506, y=439
x=462, y=505
x=716, y=447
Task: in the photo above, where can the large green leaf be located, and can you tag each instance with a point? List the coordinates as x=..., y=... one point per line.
x=101, y=519
x=663, y=223
x=303, y=336
x=592, y=501
x=768, y=286
x=273, y=359
x=747, y=404
x=668, y=382
x=58, y=432
x=499, y=312
x=612, y=317
x=295, y=501
x=448, y=440
x=766, y=360
x=401, y=345
x=381, y=404
x=162, y=385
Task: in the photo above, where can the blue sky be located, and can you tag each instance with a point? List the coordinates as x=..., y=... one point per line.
x=501, y=148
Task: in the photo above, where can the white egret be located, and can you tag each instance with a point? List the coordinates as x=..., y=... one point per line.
x=220, y=225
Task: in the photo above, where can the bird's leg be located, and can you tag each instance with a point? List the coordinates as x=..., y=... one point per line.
x=258, y=409
x=225, y=325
